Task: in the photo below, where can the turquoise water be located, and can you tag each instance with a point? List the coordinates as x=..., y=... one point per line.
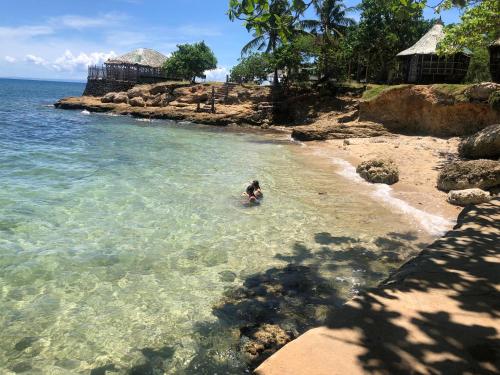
x=117, y=237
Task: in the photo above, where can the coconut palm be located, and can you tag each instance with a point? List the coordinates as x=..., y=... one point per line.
x=331, y=24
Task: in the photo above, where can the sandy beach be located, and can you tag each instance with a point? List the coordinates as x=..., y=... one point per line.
x=418, y=158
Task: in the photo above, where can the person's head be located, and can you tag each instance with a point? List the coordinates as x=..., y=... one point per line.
x=255, y=184
x=250, y=190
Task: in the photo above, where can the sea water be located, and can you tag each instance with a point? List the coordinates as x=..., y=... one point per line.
x=118, y=237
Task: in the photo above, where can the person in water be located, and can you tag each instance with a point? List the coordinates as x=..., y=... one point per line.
x=250, y=192
x=256, y=189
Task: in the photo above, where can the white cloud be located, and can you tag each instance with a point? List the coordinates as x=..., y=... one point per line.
x=70, y=62
x=198, y=31
x=217, y=75
x=10, y=59
x=81, y=22
x=37, y=60
x=22, y=32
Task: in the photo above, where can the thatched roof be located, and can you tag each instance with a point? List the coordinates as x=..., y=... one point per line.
x=141, y=56
x=427, y=45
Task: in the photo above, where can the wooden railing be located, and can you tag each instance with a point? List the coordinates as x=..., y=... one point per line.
x=126, y=73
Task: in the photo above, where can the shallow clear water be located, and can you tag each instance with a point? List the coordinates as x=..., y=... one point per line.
x=117, y=237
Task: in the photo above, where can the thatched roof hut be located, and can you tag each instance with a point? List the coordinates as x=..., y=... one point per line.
x=495, y=60
x=421, y=64
x=141, y=56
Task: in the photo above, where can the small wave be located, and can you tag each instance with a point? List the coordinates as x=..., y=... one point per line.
x=433, y=224
x=293, y=140
x=144, y=120
x=85, y=112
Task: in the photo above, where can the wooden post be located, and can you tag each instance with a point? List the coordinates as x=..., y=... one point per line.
x=213, y=100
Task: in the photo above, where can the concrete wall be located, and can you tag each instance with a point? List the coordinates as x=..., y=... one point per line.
x=100, y=87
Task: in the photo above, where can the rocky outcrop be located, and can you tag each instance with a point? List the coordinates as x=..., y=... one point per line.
x=382, y=171
x=484, y=144
x=137, y=101
x=120, y=97
x=424, y=110
x=468, y=196
x=335, y=130
x=482, y=91
x=482, y=174
x=108, y=98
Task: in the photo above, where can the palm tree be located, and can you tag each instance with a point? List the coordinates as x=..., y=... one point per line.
x=331, y=24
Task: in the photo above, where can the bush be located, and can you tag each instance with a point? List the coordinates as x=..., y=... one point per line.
x=494, y=100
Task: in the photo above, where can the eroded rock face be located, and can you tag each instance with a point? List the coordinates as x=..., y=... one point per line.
x=484, y=144
x=482, y=91
x=482, y=174
x=138, y=91
x=468, y=196
x=382, y=171
x=137, y=102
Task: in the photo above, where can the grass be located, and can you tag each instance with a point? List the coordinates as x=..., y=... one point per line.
x=457, y=91
x=373, y=91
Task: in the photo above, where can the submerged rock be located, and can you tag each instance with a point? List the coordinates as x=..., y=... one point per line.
x=482, y=174
x=264, y=341
x=484, y=144
x=468, y=196
x=382, y=171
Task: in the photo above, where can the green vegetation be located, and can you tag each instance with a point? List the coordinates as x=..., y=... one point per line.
x=334, y=48
x=494, y=100
x=253, y=68
x=190, y=61
x=373, y=91
x=456, y=91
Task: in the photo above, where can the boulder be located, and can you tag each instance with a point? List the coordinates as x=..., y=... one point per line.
x=108, y=98
x=482, y=91
x=137, y=102
x=482, y=174
x=382, y=171
x=121, y=97
x=137, y=92
x=155, y=101
x=468, y=196
x=482, y=145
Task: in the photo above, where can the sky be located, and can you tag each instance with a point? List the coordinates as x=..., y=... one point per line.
x=58, y=39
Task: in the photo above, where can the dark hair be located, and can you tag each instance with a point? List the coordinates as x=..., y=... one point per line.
x=255, y=184
x=250, y=190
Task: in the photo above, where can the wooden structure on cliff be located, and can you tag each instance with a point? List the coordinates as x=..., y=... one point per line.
x=421, y=64
x=123, y=72
x=495, y=60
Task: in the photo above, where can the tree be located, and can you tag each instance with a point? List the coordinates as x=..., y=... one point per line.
x=385, y=28
x=190, y=61
x=479, y=66
x=272, y=22
x=330, y=26
x=253, y=68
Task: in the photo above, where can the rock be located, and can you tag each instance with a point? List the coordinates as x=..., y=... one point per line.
x=334, y=130
x=264, y=341
x=108, y=98
x=468, y=196
x=484, y=144
x=482, y=91
x=120, y=97
x=156, y=101
x=227, y=276
x=482, y=174
x=382, y=171
x=232, y=99
x=137, y=102
x=137, y=91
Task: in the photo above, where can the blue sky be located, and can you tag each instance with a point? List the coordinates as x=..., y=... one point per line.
x=57, y=39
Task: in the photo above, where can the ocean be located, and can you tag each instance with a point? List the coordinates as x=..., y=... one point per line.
x=124, y=244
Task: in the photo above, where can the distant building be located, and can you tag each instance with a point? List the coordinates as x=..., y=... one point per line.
x=123, y=72
x=495, y=60
x=421, y=64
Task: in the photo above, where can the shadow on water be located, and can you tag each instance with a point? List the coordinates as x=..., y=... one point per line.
x=275, y=306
